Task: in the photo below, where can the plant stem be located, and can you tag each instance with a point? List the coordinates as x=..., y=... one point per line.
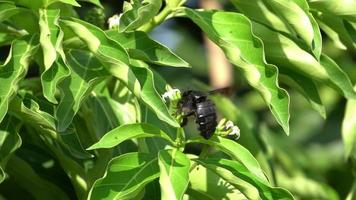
x=161, y=16
x=203, y=154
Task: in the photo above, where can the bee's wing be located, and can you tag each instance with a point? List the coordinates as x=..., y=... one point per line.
x=227, y=91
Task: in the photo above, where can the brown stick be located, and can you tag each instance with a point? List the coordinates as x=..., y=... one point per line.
x=220, y=70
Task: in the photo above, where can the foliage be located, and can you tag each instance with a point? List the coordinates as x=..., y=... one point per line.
x=92, y=123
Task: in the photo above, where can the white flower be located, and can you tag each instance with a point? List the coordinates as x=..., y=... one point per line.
x=229, y=124
x=235, y=131
x=170, y=94
x=114, y=21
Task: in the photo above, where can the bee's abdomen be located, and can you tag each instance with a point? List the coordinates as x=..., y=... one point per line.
x=206, y=118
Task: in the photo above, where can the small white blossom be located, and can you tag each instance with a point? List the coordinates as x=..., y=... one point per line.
x=114, y=21
x=229, y=124
x=170, y=94
x=235, y=131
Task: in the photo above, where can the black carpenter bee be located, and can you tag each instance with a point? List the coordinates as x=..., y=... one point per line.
x=196, y=103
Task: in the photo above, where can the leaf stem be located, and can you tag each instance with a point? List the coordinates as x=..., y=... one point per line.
x=162, y=16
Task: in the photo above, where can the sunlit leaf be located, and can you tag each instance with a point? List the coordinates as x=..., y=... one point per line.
x=149, y=94
x=51, y=37
x=342, y=8
x=246, y=188
x=294, y=17
x=237, y=152
x=237, y=169
x=338, y=76
x=110, y=53
x=142, y=12
x=13, y=70
x=115, y=59
x=208, y=184
x=125, y=176
x=349, y=129
x=86, y=71
x=286, y=17
x=174, y=177
x=232, y=32
x=283, y=52
x=126, y=132
x=51, y=78
x=337, y=29
x=141, y=47
x=48, y=22
x=44, y=3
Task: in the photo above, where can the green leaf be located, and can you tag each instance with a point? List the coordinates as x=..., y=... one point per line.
x=336, y=35
x=13, y=70
x=27, y=178
x=297, y=186
x=352, y=194
x=208, y=184
x=246, y=188
x=232, y=32
x=2, y=175
x=295, y=17
x=51, y=37
x=124, y=110
x=29, y=112
x=49, y=30
x=51, y=78
x=114, y=57
x=72, y=143
x=337, y=29
x=126, y=132
x=86, y=71
x=141, y=47
x=286, y=17
x=237, y=169
x=338, y=76
x=318, y=41
x=307, y=87
x=10, y=141
x=142, y=12
x=349, y=128
x=258, y=11
x=95, y=2
x=174, y=178
x=237, y=152
x=126, y=176
x=43, y=3
x=110, y=53
x=283, y=52
x=26, y=20
x=343, y=8
x=7, y=10
x=149, y=94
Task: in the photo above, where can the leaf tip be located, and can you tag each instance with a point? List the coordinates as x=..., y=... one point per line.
x=92, y=147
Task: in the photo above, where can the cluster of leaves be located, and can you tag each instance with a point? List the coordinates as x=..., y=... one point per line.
x=96, y=110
